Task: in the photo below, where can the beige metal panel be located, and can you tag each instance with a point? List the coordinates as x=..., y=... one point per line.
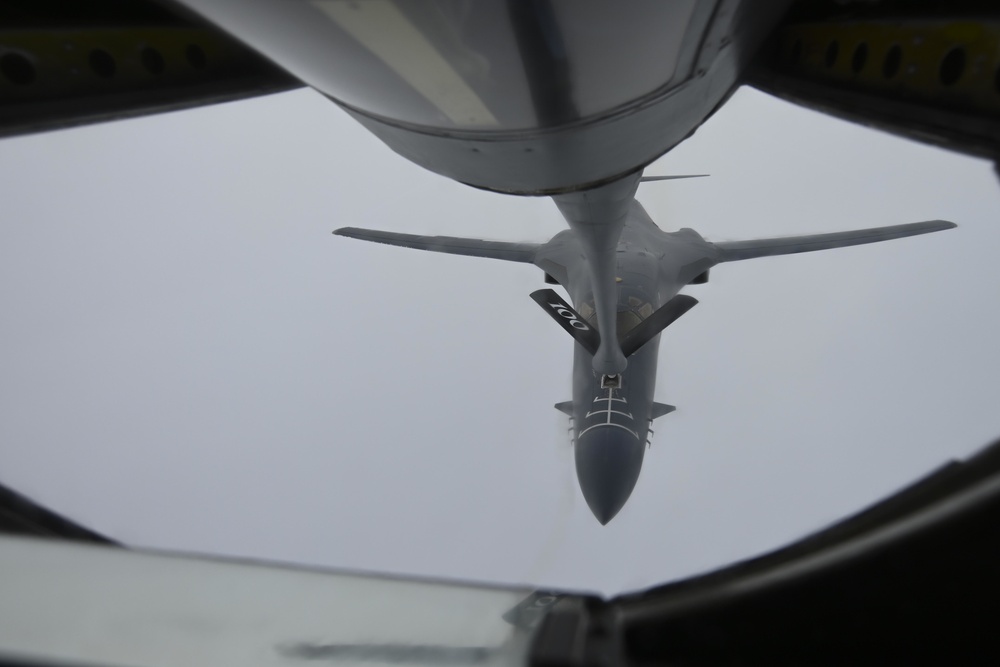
x=97, y=605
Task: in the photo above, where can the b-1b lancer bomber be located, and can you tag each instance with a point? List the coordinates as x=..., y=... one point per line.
x=623, y=275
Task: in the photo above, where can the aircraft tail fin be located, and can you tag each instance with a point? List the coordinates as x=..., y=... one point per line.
x=511, y=252
x=732, y=251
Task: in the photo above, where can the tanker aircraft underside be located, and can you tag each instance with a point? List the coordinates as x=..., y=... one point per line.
x=623, y=275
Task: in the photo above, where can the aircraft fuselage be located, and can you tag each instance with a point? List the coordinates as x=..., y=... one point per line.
x=623, y=275
x=611, y=424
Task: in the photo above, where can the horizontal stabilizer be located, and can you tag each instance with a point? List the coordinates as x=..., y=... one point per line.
x=657, y=322
x=649, y=179
x=566, y=407
x=660, y=409
x=512, y=252
x=568, y=319
x=732, y=251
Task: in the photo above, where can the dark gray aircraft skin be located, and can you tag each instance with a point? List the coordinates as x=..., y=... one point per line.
x=612, y=412
x=611, y=424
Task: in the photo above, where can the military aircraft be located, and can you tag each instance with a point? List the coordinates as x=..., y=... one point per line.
x=624, y=279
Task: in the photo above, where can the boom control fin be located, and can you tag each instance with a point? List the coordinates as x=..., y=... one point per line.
x=568, y=319
x=666, y=315
x=590, y=339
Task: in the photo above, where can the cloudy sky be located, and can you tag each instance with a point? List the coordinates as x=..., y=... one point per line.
x=193, y=362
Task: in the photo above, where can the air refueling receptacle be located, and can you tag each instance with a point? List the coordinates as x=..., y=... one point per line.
x=611, y=381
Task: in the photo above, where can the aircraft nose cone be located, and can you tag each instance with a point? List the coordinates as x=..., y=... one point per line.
x=608, y=460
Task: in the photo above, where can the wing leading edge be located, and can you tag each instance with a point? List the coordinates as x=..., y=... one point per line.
x=511, y=252
x=731, y=251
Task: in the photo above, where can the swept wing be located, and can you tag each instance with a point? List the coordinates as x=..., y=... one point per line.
x=731, y=251
x=511, y=252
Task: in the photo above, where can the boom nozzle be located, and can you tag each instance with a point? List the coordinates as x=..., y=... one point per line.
x=609, y=360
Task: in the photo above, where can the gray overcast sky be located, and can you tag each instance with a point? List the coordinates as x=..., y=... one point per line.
x=193, y=362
